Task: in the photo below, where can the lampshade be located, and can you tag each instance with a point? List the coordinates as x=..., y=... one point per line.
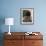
x=9, y=21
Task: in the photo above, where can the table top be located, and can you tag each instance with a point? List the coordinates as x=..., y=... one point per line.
x=22, y=35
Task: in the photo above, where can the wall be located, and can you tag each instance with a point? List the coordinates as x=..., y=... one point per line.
x=11, y=8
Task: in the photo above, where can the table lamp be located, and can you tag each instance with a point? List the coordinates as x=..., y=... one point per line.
x=9, y=21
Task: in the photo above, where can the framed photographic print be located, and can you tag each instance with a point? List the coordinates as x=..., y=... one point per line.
x=27, y=15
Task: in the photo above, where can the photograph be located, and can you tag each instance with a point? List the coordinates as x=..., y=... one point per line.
x=26, y=15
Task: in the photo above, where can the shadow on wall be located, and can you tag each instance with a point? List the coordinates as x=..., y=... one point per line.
x=2, y=21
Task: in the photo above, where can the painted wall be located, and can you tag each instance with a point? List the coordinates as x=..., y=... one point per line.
x=11, y=8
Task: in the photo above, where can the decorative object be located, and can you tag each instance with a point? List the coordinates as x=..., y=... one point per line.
x=9, y=21
x=27, y=15
x=30, y=33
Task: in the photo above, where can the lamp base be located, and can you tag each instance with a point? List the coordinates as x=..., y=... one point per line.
x=9, y=33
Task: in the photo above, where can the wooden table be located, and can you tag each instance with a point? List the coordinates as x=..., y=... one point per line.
x=20, y=39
